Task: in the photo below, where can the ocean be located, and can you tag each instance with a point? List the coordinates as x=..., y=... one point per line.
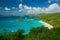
x=13, y=24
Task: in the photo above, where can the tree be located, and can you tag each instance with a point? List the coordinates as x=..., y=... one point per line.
x=19, y=35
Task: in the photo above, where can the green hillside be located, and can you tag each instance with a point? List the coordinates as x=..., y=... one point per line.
x=53, y=19
x=40, y=33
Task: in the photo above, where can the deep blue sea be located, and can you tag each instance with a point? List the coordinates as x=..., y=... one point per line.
x=14, y=24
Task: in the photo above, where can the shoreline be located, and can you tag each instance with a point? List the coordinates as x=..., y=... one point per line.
x=49, y=26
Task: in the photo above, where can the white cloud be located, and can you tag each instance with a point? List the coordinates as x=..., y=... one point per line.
x=14, y=8
x=34, y=10
x=53, y=8
x=20, y=5
x=49, y=1
x=24, y=9
x=7, y=9
x=20, y=10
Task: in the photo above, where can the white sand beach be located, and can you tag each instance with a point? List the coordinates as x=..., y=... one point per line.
x=46, y=24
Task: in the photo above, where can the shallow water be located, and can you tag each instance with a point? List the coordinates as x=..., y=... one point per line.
x=13, y=25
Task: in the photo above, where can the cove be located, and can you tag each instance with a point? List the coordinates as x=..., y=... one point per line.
x=14, y=25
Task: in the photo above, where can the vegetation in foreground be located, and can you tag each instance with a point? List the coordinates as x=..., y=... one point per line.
x=41, y=33
x=53, y=19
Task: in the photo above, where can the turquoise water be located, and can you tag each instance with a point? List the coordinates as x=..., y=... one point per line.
x=13, y=26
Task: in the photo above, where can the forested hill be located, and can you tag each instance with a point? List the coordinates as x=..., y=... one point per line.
x=53, y=19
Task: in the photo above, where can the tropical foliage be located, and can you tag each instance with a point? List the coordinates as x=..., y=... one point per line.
x=41, y=33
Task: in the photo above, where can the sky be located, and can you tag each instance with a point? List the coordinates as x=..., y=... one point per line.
x=18, y=7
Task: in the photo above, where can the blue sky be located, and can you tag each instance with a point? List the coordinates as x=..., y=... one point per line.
x=34, y=3
x=28, y=6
